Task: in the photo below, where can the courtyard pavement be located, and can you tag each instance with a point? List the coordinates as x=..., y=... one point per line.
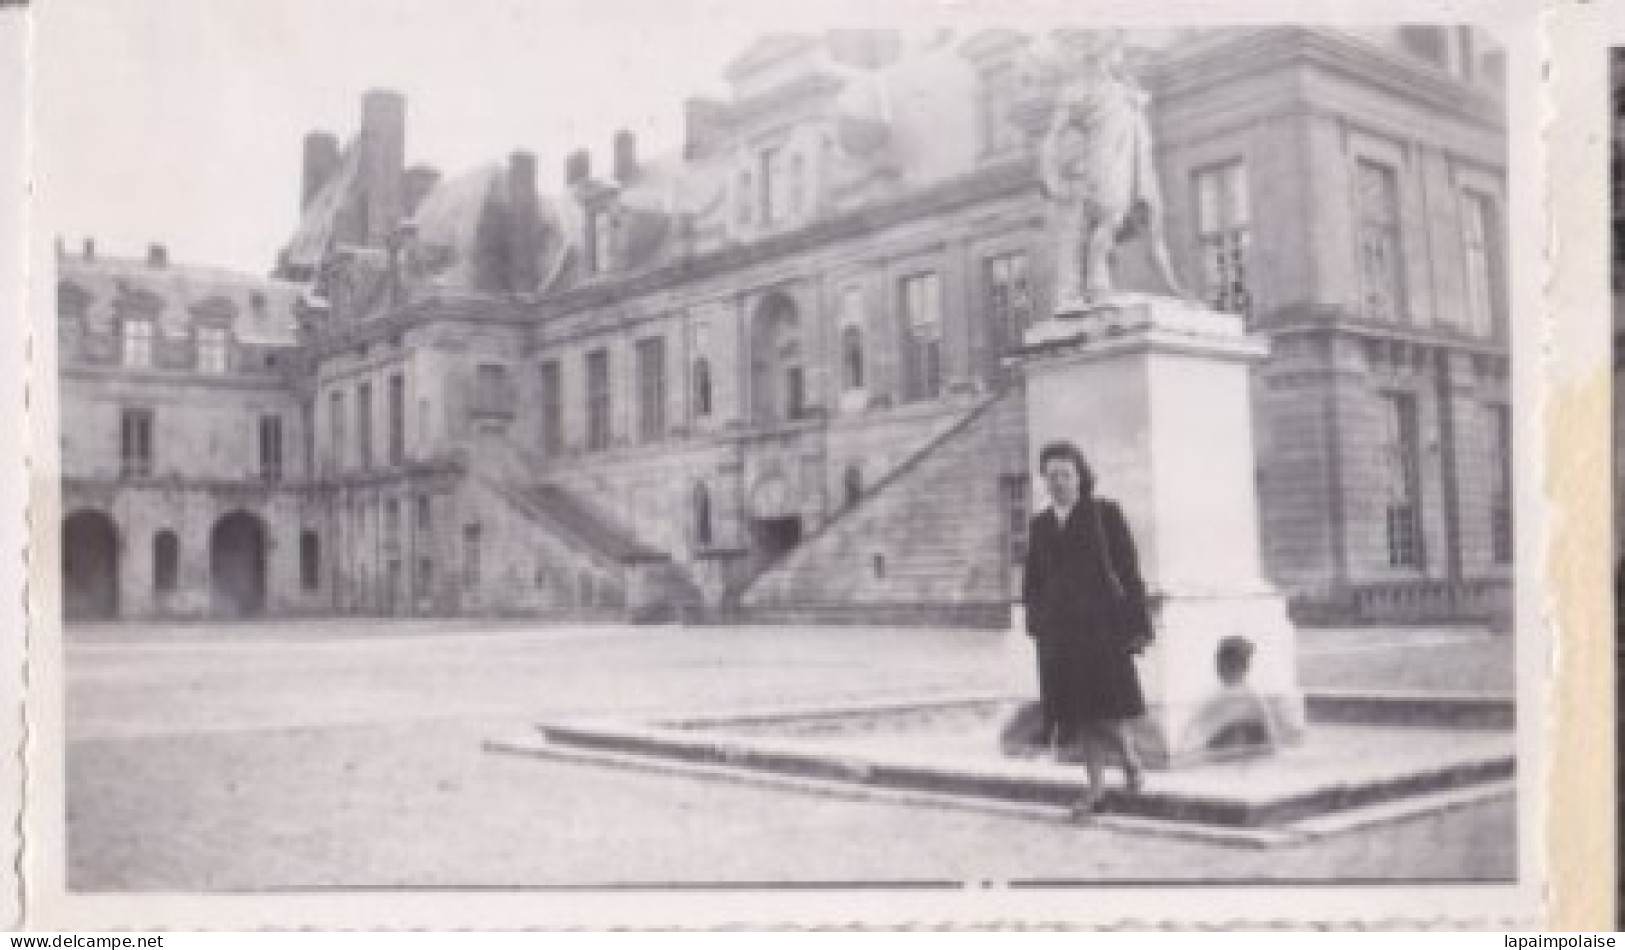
x=296, y=755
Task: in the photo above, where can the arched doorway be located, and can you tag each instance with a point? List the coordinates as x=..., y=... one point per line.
x=237, y=565
x=778, y=382
x=89, y=567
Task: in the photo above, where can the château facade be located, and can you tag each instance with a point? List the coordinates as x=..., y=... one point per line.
x=766, y=376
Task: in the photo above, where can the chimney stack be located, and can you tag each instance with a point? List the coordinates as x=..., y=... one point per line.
x=704, y=122
x=157, y=256
x=420, y=180
x=321, y=161
x=577, y=168
x=524, y=222
x=382, y=165
x=626, y=157
x=90, y=249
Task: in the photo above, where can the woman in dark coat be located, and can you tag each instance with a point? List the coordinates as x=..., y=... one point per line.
x=1087, y=612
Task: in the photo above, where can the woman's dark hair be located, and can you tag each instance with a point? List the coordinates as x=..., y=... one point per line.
x=1071, y=453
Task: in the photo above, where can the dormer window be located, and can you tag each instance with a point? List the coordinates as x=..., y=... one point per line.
x=772, y=201
x=743, y=198
x=996, y=96
x=212, y=350
x=137, y=348
x=603, y=241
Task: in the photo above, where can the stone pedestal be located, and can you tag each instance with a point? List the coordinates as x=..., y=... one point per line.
x=1155, y=391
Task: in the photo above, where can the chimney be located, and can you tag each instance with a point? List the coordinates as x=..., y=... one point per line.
x=577, y=168
x=382, y=160
x=321, y=161
x=90, y=249
x=157, y=256
x=626, y=157
x=420, y=180
x=524, y=222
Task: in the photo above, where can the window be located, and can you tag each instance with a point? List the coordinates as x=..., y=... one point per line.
x=1009, y=306
x=743, y=198
x=795, y=392
x=852, y=357
x=996, y=96
x=471, y=555
x=271, y=448
x=212, y=345
x=1498, y=422
x=425, y=518
x=493, y=395
x=702, y=387
x=335, y=423
x=166, y=559
x=425, y=576
x=922, y=337
x=795, y=202
x=1402, y=464
x=598, y=404
x=392, y=523
x=772, y=201
x=702, y=515
x=1478, y=227
x=138, y=344
x=397, y=419
x=852, y=485
x=1382, y=289
x=552, y=406
x=603, y=242
x=651, y=360
x=363, y=423
x=1018, y=509
x=310, y=562
x=1223, y=219
x=135, y=443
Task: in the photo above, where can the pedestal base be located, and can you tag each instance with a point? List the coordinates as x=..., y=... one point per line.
x=1220, y=682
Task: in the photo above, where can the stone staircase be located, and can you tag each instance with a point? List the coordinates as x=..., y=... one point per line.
x=656, y=589
x=926, y=545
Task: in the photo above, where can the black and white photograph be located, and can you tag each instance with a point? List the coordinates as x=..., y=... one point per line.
x=572, y=449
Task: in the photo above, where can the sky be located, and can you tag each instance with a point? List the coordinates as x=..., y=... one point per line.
x=181, y=122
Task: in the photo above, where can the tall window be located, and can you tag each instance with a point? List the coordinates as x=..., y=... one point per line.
x=363, y=423
x=1498, y=422
x=392, y=523
x=1382, y=285
x=493, y=396
x=397, y=419
x=335, y=423
x=1402, y=463
x=702, y=515
x=598, y=404
x=651, y=364
x=137, y=343
x=744, y=197
x=1478, y=230
x=425, y=519
x=852, y=485
x=996, y=96
x=797, y=185
x=852, y=357
x=922, y=336
x=310, y=561
x=702, y=387
x=1008, y=282
x=795, y=392
x=552, y=400
x=212, y=345
x=271, y=448
x=135, y=443
x=166, y=560
x=1223, y=220
x=471, y=555
x=772, y=201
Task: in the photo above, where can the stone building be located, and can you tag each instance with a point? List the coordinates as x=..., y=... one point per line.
x=765, y=376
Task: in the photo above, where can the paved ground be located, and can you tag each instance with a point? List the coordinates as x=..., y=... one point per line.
x=293, y=756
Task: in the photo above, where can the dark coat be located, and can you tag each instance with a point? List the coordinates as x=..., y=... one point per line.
x=1083, y=622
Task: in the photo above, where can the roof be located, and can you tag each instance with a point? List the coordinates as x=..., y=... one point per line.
x=260, y=310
